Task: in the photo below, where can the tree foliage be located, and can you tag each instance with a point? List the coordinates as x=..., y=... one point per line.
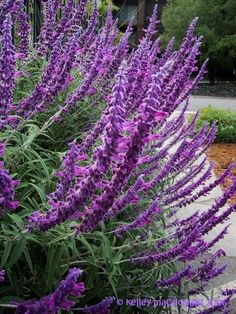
x=217, y=24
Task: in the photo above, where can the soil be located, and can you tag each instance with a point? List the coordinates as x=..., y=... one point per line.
x=223, y=155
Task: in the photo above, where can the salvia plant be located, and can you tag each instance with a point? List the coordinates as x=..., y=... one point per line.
x=95, y=167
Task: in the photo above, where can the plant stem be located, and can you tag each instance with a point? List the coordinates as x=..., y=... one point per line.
x=8, y=306
x=131, y=245
x=44, y=127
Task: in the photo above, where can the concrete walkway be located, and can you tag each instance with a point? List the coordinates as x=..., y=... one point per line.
x=228, y=244
x=198, y=102
x=202, y=204
x=228, y=279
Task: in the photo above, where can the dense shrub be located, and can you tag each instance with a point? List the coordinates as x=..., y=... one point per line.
x=94, y=167
x=225, y=121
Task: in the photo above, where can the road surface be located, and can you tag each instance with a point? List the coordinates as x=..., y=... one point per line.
x=198, y=102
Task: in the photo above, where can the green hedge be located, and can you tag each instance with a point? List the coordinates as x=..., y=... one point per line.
x=225, y=120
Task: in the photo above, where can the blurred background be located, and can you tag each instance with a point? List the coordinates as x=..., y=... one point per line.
x=217, y=24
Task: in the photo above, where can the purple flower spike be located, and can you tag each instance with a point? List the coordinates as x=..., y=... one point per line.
x=229, y=292
x=145, y=218
x=56, y=301
x=222, y=306
x=175, y=280
x=61, y=211
x=100, y=308
x=68, y=173
x=2, y=275
x=7, y=188
x=21, y=18
x=7, y=70
x=6, y=6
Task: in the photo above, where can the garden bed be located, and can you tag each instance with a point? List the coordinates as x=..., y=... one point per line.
x=223, y=154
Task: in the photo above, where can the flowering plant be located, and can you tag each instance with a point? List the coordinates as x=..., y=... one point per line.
x=113, y=203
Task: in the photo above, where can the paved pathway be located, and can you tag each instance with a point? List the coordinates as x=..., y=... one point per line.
x=228, y=279
x=202, y=205
x=228, y=244
x=198, y=102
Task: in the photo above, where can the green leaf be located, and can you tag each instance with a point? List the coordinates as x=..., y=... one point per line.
x=6, y=253
x=28, y=258
x=17, y=252
x=17, y=220
x=87, y=245
x=40, y=191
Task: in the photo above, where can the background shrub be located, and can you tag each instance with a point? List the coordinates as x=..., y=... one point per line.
x=225, y=121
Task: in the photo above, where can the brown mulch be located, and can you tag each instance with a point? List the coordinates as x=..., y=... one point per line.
x=223, y=155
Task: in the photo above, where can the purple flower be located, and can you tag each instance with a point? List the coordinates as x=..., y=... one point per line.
x=147, y=117
x=176, y=279
x=102, y=307
x=229, y=292
x=7, y=188
x=48, y=32
x=21, y=18
x=121, y=202
x=6, y=6
x=152, y=23
x=168, y=255
x=206, y=189
x=53, y=79
x=7, y=69
x=145, y=218
x=2, y=275
x=68, y=173
x=207, y=269
x=56, y=301
x=137, y=158
x=103, y=155
x=222, y=305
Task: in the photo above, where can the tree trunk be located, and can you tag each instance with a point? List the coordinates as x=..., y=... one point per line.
x=211, y=71
x=37, y=19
